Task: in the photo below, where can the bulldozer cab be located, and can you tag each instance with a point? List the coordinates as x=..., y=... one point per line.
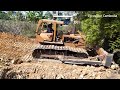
x=46, y=34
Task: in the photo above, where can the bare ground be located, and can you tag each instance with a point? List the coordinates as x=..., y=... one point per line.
x=15, y=51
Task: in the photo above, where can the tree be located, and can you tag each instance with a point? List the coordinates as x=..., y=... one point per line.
x=103, y=31
x=11, y=15
x=4, y=15
x=48, y=15
x=111, y=30
x=34, y=15
x=20, y=16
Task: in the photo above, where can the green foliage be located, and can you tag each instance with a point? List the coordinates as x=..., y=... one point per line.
x=11, y=21
x=115, y=44
x=19, y=16
x=65, y=28
x=100, y=30
x=4, y=16
x=90, y=27
x=48, y=15
x=12, y=15
x=34, y=15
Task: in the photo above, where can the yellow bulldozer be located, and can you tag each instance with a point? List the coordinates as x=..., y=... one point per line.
x=54, y=37
x=55, y=44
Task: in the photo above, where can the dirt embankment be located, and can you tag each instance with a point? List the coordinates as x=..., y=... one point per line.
x=15, y=53
x=14, y=47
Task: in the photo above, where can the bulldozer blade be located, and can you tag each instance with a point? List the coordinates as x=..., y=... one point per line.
x=70, y=61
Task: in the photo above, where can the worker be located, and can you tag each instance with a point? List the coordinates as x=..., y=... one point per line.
x=101, y=53
x=54, y=18
x=49, y=29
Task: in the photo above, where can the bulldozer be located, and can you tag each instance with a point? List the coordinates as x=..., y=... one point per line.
x=58, y=45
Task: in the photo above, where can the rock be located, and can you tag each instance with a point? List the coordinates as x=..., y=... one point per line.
x=93, y=75
x=1, y=66
x=59, y=76
x=98, y=77
x=114, y=67
x=7, y=64
x=1, y=59
x=12, y=61
x=84, y=72
x=81, y=76
x=101, y=69
x=74, y=65
x=117, y=66
x=19, y=77
x=108, y=75
x=27, y=61
x=9, y=59
x=3, y=72
x=18, y=71
x=73, y=78
x=88, y=66
x=92, y=67
x=17, y=61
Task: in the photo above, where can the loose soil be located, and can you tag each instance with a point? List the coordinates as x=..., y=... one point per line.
x=16, y=62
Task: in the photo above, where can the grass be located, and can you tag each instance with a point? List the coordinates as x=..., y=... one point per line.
x=18, y=27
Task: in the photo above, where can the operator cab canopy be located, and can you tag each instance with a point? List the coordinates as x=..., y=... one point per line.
x=52, y=21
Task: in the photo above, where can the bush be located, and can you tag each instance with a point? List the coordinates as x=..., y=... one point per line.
x=18, y=27
x=102, y=31
x=66, y=28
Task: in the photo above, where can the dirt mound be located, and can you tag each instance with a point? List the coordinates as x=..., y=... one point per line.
x=52, y=70
x=14, y=37
x=14, y=47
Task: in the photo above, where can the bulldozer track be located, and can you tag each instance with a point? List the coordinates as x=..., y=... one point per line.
x=79, y=50
x=59, y=52
x=64, y=54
